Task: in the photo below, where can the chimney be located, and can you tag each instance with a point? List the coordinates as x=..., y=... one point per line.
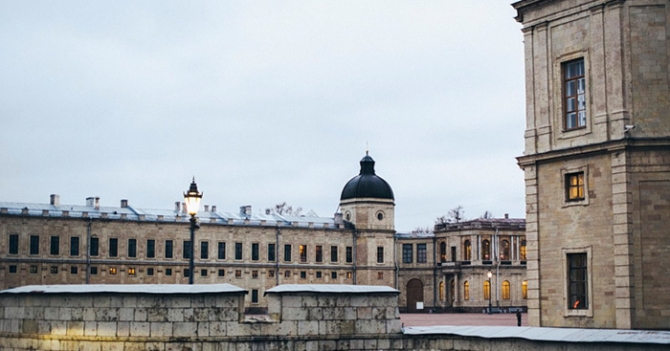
x=245, y=210
x=213, y=208
x=97, y=203
x=177, y=206
x=183, y=207
x=206, y=208
x=506, y=215
x=338, y=218
x=55, y=199
x=90, y=201
x=124, y=203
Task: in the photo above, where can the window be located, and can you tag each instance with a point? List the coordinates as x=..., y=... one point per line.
x=486, y=250
x=349, y=275
x=238, y=273
x=333, y=275
x=74, y=246
x=94, y=248
x=271, y=252
x=349, y=254
x=187, y=273
x=318, y=275
x=186, y=246
x=254, y=252
x=254, y=296
x=574, y=186
x=113, y=247
x=407, y=256
x=12, y=269
x=222, y=250
x=443, y=252
x=150, y=271
x=524, y=290
x=303, y=275
x=254, y=274
x=131, y=271
x=55, y=246
x=504, y=250
x=441, y=293
x=169, y=248
x=505, y=290
x=577, y=281
x=287, y=274
x=151, y=248
x=54, y=269
x=168, y=271
x=13, y=244
x=319, y=253
x=34, y=245
x=421, y=255
x=574, y=90
x=271, y=273
x=222, y=273
x=203, y=272
x=380, y=275
x=94, y=270
x=132, y=247
x=74, y=270
x=380, y=254
x=333, y=254
x=302, y=249
x=238, y=251
x=487, y=290
x=204, y=250
x=522, y=250
x=287, y=253
x=467, y=251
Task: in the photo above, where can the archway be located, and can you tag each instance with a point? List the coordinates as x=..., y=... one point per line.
x=414, y=294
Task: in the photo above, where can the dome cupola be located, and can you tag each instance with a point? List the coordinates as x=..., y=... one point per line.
x=367, y=184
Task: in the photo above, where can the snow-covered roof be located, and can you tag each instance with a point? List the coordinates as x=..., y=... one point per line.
x=129, y=213
x=332, y=289
x=125, y=289
x=548, y=334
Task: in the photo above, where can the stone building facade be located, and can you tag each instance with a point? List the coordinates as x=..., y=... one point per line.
x=597, y=162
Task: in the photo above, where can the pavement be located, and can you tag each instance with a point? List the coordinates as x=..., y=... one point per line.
x=427, y=319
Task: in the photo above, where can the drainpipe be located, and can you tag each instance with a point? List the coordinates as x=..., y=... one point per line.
x=497, y=262
x=278, y=235
x=354, y=233
x=435, y=300
x=395, y=261
x=88, y=250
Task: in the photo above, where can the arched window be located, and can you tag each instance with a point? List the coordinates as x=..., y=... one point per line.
x=467, y=251
x=441, y=291
x=505, y=290
x=486, y=250
x=466, y=291
x=522, y=250
x=443, y=252
x=504, y=250
x=524, y=289
x=487, y=290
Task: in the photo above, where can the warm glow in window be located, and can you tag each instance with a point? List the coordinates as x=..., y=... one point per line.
x=112, y=270
x=131, y=271
x=574, y=183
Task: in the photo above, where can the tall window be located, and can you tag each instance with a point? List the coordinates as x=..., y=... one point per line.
x=271, y=252
x=55, y=246
x=486, y=250
x=407, y=256
x=350, y=254
x=169, y=248
x=254, y=296
x=319, y=253
x=443, y=252
x=302, y=249
x=238, y=251
x=204, y=250
x=186, y=246
x=522, y=250
x=524, y=290
x=577, y=281
x=287, y=253
x=151, y=248
x=441, y=294
x=574, y=186
x=333, y=254
x=94, y=248
x=34, y=245
x=74, y=246
x=113, y=247
x=504, y=250
x=380, y=254
x=467, y=251
x=466, y=291
x=221, y=250
x=421, y=255
x=13, y=244
x=487, y=290
x=575, y=94
x=505, y=290
x=132, y=247
x=254, y=252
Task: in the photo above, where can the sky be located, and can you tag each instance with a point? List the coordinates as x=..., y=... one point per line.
x=263, y=102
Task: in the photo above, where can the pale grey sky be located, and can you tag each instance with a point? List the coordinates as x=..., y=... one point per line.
x=263, y=102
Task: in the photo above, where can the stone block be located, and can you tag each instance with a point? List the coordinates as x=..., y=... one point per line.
x=106, y=329
x=116, y=301
x=203, y=329
x=217, y=329
x=157, y=314
x=75, y=328
x=123, y=329
x=184, y=329
x=126, y=314
x=129, y=301
x=160, y=329
x=315, y=313
x=112, y=346
x=99, y=301
x=370, y=326
x=77, y=313
x=44, y=327
x=90, y=328
x=89, y=314
x=364, y=313
x=200, y=314
x=294, y=314
x=140, y=329
x=106, y=314
x=348, y=327
x=175, y=315
x=51, y=313
x=308, y=327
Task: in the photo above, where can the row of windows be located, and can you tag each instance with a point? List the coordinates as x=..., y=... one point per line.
x=486, y=250
x=504, y=290
x=113, y=249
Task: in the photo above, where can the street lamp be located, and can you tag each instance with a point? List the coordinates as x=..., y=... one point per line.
x=490, y=275
x=192, y=199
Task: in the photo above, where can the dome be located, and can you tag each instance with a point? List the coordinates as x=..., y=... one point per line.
x=367, y=183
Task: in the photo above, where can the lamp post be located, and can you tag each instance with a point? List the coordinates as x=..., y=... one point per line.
x=192, y=199
x=490, y=275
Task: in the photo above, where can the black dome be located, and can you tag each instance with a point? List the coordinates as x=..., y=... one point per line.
x=367, y=183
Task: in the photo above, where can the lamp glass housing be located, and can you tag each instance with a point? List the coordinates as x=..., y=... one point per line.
x=192, y=199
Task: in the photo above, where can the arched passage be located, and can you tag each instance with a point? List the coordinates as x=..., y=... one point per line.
x=414, y=294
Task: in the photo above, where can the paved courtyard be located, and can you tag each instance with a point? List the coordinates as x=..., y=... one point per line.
x=426, y=319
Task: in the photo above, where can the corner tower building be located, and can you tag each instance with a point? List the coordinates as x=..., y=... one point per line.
x=597, y=162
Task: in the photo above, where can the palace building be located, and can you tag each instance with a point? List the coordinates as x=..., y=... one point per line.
x=597, y=162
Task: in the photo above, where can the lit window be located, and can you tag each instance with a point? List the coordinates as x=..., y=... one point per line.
x=505, y=290
x=486, y=250
x=302, y=249
x=487, y=290
x=443, y=252
x=467, y=251
x=441, y=293
x=131, y=271
x=574, y=94
x=349, y=275
x=112, y=270
x=574, y=186
x=577, y=282
x=524, y=290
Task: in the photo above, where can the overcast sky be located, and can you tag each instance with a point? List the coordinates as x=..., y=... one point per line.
x=263, y=102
